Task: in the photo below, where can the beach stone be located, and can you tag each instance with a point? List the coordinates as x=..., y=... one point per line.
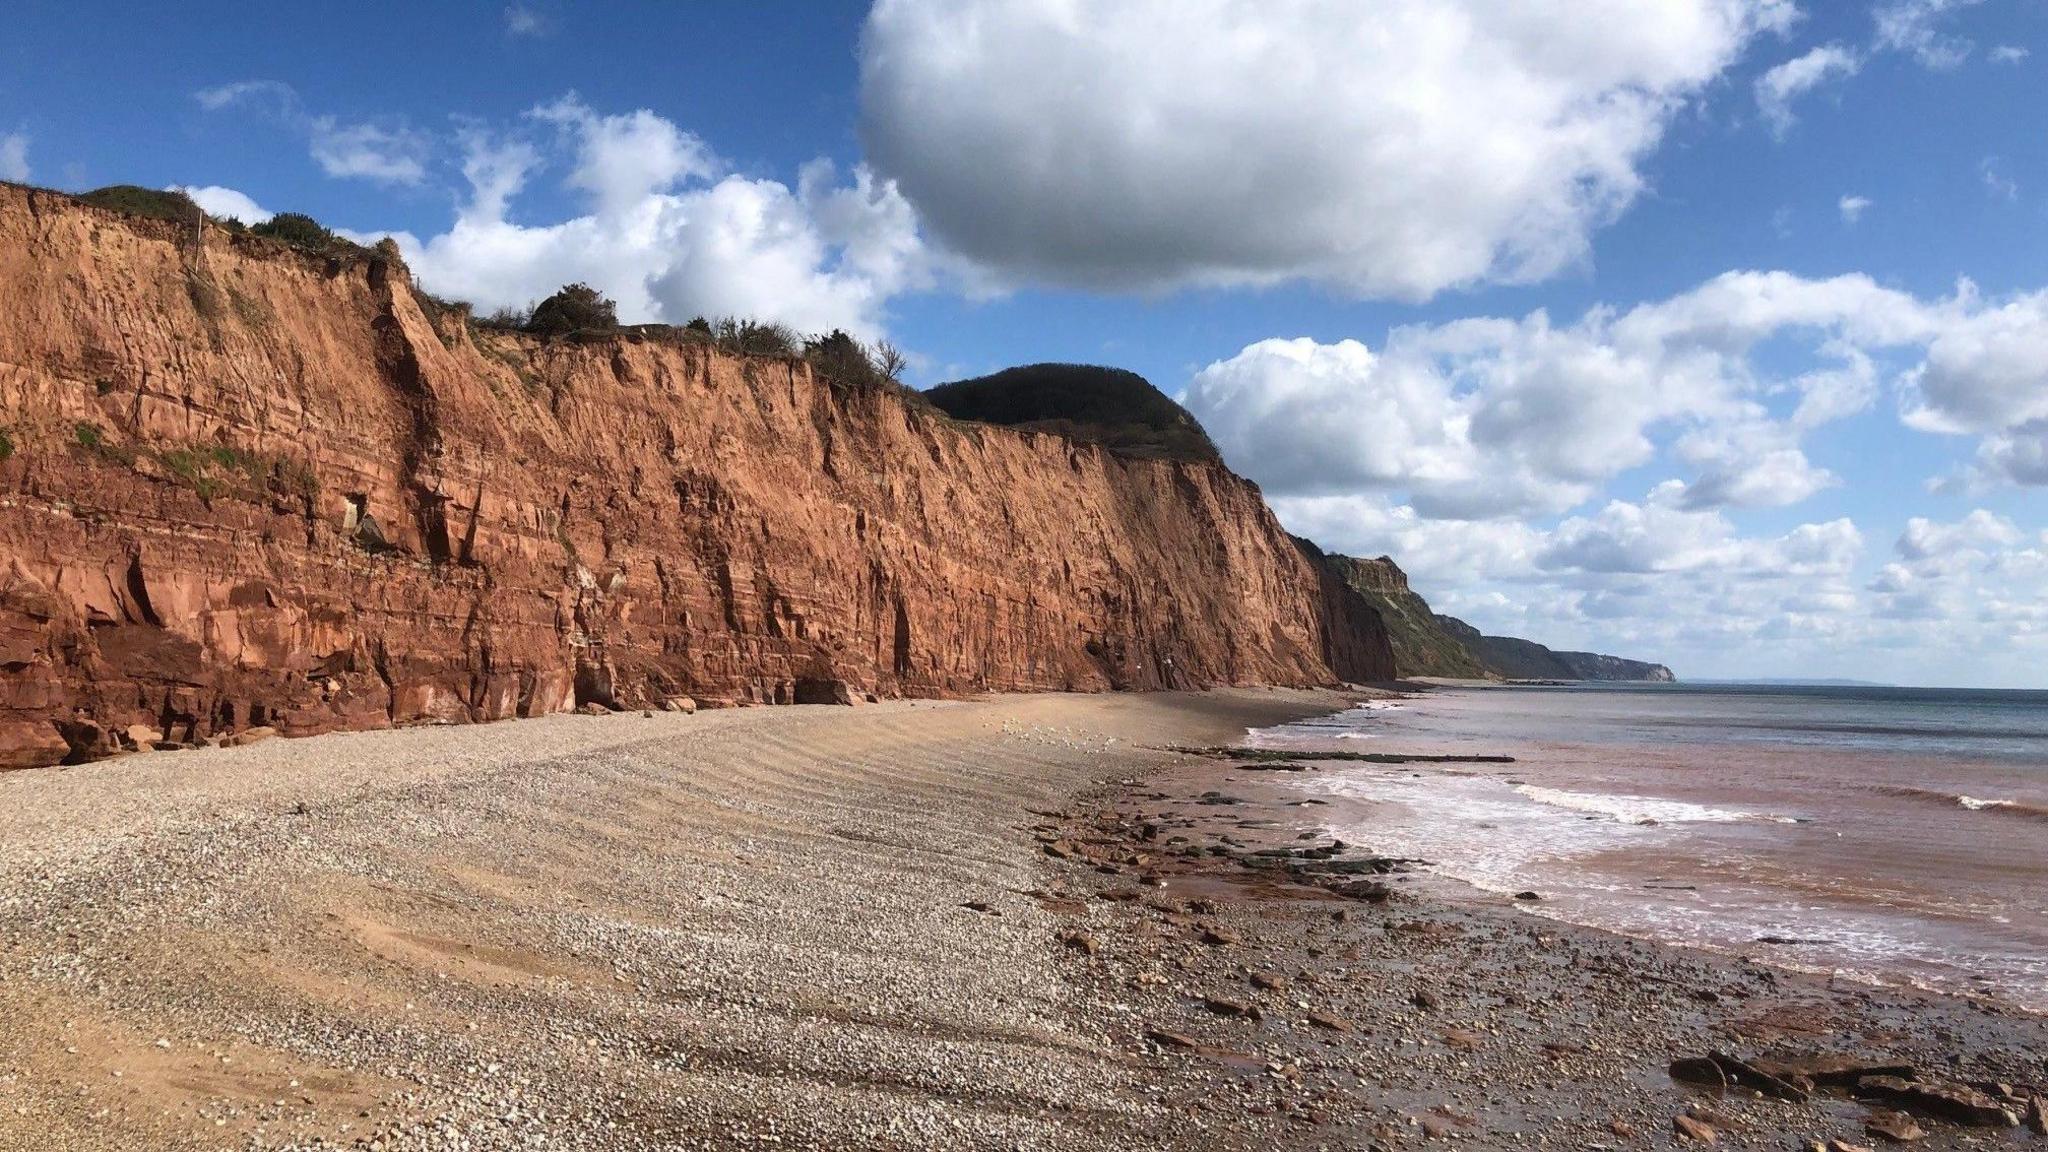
x=1463, y=1041
x=1528, y=896
x=1424, y=999
x=1370, y=891
x=1268, y=982
x=1698, y=1131
x=1366, y=866
x=1742, y=1074
x=1718, y=1121
x=1220, y=937
x=1224, y=1006
x=1326, y=1020
x=1166, y=1039
x=1943, y=1101
x=1080, y=942
x=143, y=736
x=1699, y=1070
x=1896, y=1127
x=2037, y=1116
x=1831, y=1069
x=250, y=736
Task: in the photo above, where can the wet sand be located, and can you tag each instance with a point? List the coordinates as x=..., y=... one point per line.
x=897, y=926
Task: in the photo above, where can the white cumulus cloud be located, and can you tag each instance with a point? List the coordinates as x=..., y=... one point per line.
x=385, y=153
x=1388, y=150
x=368, y=152
x=225, y=203
x=1488, y=417
x=1852, y=208
x=1980, y=582
x=1491, y=417
x=1651, y=578
x=1916, y=27
x=668, y=233
x=1778, y=88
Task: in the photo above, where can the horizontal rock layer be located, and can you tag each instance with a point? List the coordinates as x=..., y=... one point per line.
x=245, y=486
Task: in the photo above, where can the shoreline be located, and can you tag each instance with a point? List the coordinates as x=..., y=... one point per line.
x=1667, y=1004
x=831, y=927
x=1732, y=847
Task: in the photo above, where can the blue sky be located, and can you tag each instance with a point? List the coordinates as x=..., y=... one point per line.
x=1638, y=330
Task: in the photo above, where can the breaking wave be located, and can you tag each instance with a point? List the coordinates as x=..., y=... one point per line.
x=1645, y=810
x=2021, y=808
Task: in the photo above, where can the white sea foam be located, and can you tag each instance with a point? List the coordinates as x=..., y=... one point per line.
x=1645, y=810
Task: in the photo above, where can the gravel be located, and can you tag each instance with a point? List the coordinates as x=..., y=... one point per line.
x=740, y=929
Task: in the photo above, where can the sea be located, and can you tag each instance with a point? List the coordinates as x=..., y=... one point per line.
x=1884, y=835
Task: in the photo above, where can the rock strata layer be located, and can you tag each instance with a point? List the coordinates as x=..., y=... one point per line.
x=246, y=487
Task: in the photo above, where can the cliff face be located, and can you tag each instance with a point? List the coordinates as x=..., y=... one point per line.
x=1422, y=647
x=1428, y=644
x=1595, y=666
x=1517, y=659
x=246, y=486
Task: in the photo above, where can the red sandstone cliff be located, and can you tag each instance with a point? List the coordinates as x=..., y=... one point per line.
x=251, y=486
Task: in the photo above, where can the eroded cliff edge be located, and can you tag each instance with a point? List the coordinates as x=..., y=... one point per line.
x=244, y=485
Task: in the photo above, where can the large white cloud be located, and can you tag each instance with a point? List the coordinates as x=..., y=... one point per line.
x=667, y=232
x=1491, y=417
x=1649, y=578
x=1472, y=450
x=1979, y=581
x=1393, y=149
x=1662, y=535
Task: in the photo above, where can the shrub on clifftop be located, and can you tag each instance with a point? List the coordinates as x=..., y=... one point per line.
x=155, y=203
x=755, y=338
x=297, y=230
x=576, y=308
x=841, y=357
